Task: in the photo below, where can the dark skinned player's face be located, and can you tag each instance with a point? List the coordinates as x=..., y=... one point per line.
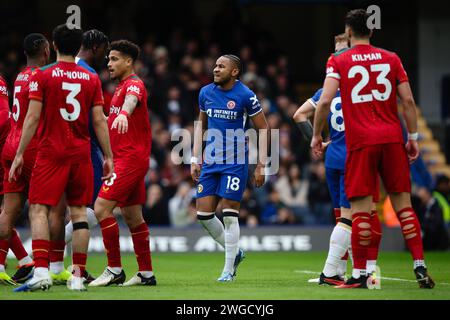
x=118, y=64
x=224, y=71
x=100, y=55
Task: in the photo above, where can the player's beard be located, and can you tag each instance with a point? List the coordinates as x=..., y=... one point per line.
x=224, y=80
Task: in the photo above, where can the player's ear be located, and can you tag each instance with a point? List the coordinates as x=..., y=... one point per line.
x=54, y=46
x=235, y=72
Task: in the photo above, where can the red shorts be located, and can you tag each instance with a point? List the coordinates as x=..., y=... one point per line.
x=127, y=185
x=51, y=179
x=363, y=165
x=23, y=180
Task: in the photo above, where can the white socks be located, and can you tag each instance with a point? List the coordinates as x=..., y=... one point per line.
x=41, y=273
x=2, y=268
x=91, y=220
x=116, y=270
x=339, y=242
x=56, y=267
x=25, y=261
x=213, y=226
x=232, y=233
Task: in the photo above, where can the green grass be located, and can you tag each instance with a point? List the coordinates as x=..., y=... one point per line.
x=261, y=276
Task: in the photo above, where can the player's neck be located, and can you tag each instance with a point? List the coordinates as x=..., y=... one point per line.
x=127, y=74
x=85, y=56
x=65, y=58
x=229, y=85
x=358, y=41
x=35, y=62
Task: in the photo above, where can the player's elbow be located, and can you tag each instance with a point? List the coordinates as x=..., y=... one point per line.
x=299, y=116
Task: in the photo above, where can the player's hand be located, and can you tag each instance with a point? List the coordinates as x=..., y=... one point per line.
x=121, y=123
x=108, y=169
x=317, y=146
x=195, y=171
x=412, y=149
x=259, y=176
x=16, y=168
x=325, y=144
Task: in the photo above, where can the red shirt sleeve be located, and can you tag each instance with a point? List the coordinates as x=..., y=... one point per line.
x=401, y=75
x=98, y=93
x=3, y=89
x=135, y=88
x=36, y=90
x=332, y=68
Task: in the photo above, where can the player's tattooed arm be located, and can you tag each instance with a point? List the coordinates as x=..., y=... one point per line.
x=330, y=87
x=410, y=115
x=121, y=121
x=101, y=131
x=29, y=129
x=199, y=130
x=260, y=123
x=301, y=119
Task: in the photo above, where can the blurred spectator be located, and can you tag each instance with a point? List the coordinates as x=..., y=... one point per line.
x=434, y=231
x=250, y=209
x=276, y=212
x=442, y=194
x=182, y=211
x=318, y=196
x=155, y=210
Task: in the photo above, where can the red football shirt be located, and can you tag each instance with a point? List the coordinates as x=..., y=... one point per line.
x=135, y=144
x=68, y=92
x=4, y=112
x=368, y=79
x=18, y=114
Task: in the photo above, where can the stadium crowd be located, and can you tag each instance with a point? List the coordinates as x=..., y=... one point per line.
x=174, y=70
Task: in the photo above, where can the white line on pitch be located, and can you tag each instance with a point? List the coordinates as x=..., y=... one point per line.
x=384, y=278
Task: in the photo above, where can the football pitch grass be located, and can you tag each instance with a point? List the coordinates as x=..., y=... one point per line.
x=270, y=276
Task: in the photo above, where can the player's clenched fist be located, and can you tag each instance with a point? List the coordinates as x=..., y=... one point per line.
x=259, y=176
x=412, y=149
x=108, y=169
x=121, y=123
x=317, y=146
x=195, y=171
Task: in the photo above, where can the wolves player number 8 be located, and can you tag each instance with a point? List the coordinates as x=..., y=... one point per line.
x=74, y=89
x=16, y=104
x=233, y=184
x=381, y=79
x=110, y=182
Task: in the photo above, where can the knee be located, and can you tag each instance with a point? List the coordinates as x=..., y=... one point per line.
x=102, y=210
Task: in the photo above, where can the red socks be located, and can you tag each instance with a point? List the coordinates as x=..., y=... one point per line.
x=141, y=243
x=57, y=250
x=79, y=263
x=110, y=233
x=361, y=238
x=41, y=253
x=372, y=253
x=4, y=247
x=411, y=232
x=16, y=245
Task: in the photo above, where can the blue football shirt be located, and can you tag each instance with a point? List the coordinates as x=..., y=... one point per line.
x=227, y=112
x=337, y=150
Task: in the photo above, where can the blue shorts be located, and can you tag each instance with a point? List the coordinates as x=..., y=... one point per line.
x=335, y=181
x=97, y=164
x=225, y=181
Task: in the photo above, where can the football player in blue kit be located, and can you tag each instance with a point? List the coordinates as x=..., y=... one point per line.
x=340, y=239
x=225, y=105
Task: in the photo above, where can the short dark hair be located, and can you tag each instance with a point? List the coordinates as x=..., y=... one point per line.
x=33, y=44
x=357, y=21
x=236, y=60
x=93, y=38
x=126, y=47
x=68, y=41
